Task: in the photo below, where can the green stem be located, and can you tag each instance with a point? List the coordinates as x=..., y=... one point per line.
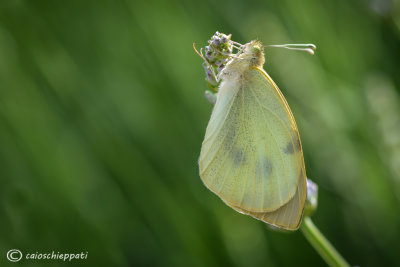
x=321, y=244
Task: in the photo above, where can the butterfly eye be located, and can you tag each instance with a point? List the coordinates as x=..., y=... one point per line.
x=255, y=49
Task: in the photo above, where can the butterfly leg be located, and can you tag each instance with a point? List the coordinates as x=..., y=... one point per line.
x=212, y=82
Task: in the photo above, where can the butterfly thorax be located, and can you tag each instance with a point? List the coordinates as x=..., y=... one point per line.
x=250, y=56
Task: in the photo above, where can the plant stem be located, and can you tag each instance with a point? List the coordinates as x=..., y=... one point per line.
x=321, y=244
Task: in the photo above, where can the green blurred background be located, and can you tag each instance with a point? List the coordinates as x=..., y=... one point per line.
x=102, y=116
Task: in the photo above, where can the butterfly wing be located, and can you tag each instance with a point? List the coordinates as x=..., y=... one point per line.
x=289, y=215
x=251, y=156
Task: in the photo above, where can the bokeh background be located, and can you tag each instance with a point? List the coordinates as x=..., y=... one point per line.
x=102, y=116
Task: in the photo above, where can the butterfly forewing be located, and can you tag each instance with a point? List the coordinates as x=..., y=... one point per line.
x=251, y=156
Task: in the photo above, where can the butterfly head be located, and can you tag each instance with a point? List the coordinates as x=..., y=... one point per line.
x=253, y=52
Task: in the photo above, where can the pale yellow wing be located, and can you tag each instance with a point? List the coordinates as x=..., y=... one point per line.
x=251, y=156
x=289, y=215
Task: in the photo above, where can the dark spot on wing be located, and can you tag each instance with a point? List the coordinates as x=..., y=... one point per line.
x=267, y=166
x=289, y=148
x=229, y=138
x=264, y=167
x=238, y=157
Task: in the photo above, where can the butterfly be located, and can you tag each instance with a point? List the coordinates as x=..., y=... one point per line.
x=251, y=156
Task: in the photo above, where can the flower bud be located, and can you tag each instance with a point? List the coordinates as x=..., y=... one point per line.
x=312, y=198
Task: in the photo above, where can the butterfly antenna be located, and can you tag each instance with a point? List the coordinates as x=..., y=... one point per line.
x=309, y=48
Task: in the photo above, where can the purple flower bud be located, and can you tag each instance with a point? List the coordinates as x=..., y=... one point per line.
x=224, y=39
x=216, y=42
x=209, y=56
x=312, y=198
x=210, y=75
